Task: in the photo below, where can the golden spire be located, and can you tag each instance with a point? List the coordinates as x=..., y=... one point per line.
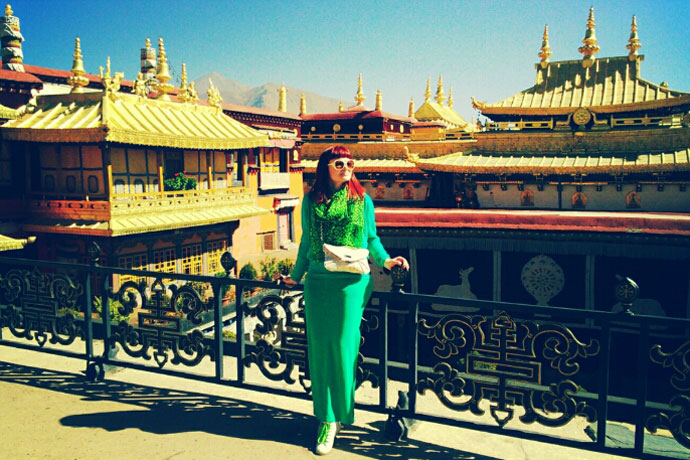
x=410, y=109
x=359, y=98
x=545, y=51
x=8, y=10
x=77, y=80
x=110, y=84
x=183, y=77
x=162, y=73
x=450, y=97
x=590, y=47
x=427, y=93
x=302, y=104
x=379, y=100
x=439, y=90
x=634, y=41
x=282, y=98
x=341, y=107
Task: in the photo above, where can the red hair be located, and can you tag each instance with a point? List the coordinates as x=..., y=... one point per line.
x=322, y=184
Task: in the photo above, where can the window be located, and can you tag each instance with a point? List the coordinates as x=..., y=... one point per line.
x=174, y=163
x=93, y=184
x=165, y=261
x=215, y=251
x=191, y=259
x=49, y=183
x=71, y=184
x=133, y=262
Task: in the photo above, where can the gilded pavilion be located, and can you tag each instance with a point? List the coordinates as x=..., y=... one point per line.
x=159, y=179
x=568, y=183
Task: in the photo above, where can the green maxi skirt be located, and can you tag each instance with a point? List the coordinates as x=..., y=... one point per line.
x=334, y=304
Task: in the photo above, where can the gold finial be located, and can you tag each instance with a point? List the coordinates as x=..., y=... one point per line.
x=148, y=43
x=545, y=51
x=590, y=47
x=450, y=97
x=282, y=98
x=183, y=77
x=410, y=109
x=187, y=92
x=341, y=107
x=302, y=104
x=379, y=100
x=439, y=90
x=634, y=41
x=8, y=10
x=213, y=94
x=162, y=73
x=359, y=98
x=427, y=93
x=77, y=80
x=111, y=85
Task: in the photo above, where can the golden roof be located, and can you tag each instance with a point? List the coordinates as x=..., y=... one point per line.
x=8, y=113
x=609, y=85
x=129, y=224
x=433, y=111
x=129, y=119
x=11, y=244
x=464, y=162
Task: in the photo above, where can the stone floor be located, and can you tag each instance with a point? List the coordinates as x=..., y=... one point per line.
x=50, y=412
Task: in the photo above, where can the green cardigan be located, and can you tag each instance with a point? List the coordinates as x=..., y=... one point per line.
x=305, y=261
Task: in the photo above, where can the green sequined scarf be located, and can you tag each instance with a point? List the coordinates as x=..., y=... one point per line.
x=338, y=221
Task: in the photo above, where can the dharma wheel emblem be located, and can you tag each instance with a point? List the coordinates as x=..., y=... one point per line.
x=582, y=116
x=543, y=278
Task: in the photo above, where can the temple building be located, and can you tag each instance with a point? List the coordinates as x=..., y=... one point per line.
x=568, y=184
x=158, y=178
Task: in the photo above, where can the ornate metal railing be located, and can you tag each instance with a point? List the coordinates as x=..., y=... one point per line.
x=497, y=367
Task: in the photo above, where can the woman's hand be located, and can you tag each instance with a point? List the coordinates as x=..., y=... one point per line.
x=390, y=263
x=286, y=280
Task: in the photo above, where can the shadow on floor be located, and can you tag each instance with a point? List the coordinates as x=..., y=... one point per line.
x=167, y=411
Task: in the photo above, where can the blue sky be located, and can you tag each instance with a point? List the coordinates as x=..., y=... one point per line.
x=485, y=49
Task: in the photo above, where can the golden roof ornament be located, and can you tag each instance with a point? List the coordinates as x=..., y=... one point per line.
x=282, y=98
x=302, y=104
x=162, y=73
x=545, y=51
x=139, y=86
x=11, y=38
x=379, y=101
x=439, y=91
x=590, y=47
x=341, y=107
x=427, y=93
x=110, y=84
x=478, y=105
x=360, y=97
x=410, y=109
x=77, y=80
x=634, y=41
x=450, y=97
x=213, y=94
x=187, y=93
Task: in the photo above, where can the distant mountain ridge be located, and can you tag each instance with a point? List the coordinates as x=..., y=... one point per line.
x=264, y=96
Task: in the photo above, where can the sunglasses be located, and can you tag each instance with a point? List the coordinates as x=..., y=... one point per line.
x=340, y=164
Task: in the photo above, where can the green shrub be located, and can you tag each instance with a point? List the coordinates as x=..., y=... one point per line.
x=285, y=266
x=269, y=268
x=248, y=272
x=180, y=182
x=115, y=305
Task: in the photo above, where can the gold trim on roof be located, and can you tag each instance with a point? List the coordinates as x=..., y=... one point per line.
x=129, y=119
x=557, y=164
x=433, y=111
x=12, y=244
x=372, y=166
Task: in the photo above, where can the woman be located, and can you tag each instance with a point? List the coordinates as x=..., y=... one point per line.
x=336, y=211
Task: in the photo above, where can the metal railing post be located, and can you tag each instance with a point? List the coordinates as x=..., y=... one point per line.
x=642, y=382
x=383, y=353
x=413, y=344
x=604, y=377
x=218, y=325
x=239, y=318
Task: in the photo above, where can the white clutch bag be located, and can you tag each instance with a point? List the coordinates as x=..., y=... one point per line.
x=345, y=259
